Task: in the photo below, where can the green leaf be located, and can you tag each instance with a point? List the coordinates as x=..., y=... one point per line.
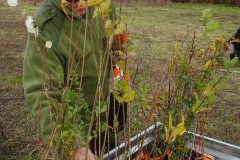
x=130, y=49
x=130, y=46
x=220, y=85
x=94, y=132
x=196, y=96
x=121, y=64
x=100, y=108
x=212, y=26
x=226, y=76
x=123, y=85
x=210, y=99
x=226, y=63
x=89, y=138
x=195, y=106
x=51, y=143
x=233, y=62
x=199, y=85
x=124, y=46
x=132, y=58
x=236, y=68
x=64, y=134
x=121, y=53
x=103, y=127
x=207, y=13
x=201, y=109
x=129, y=96
x=211, y=83
x=185, y=101
x=103, y=108
x=25, y=10
x=203, y=20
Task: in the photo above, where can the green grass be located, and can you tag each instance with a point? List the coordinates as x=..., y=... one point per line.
x=155, y=27
x=154, y=31
x=9, y=80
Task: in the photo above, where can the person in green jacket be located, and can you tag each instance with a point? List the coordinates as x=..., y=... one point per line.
x=66, y=39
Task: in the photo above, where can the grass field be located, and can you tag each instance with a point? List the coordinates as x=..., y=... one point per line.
x=153, y=29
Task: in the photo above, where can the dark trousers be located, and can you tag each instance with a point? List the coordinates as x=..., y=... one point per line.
x=233, y=55
x=119, y=110
x=115, y=109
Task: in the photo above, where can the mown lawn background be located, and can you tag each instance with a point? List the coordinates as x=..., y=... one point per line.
x=154, y=30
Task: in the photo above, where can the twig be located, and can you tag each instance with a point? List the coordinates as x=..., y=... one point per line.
x=225, y=70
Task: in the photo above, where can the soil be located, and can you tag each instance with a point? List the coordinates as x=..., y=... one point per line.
x=17, y=130
x=186, y=155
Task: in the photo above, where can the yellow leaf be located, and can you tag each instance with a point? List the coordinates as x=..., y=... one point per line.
x=221, y=39
x=116, y=123
x=106, y=4
x=179, y=130
x=145, y=106
x=96, y=12
x=166, y=134
x=147, y=98
x=119, y=28
x=201, y=109
x=209, y=90
x=196, y=104
x=106, y=13
x=208, y=64
x=129, y=96
x=109, y=26
x=63, y=5
x=175, y=45
x=103, y=9
x=213, y=46
x=183, y=120
x=169, y=120
x=89, y=3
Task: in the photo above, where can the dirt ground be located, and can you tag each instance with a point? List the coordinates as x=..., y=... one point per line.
x=17, y=134
x=17, y=130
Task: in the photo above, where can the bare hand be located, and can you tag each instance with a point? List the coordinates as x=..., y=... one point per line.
x=81, y=154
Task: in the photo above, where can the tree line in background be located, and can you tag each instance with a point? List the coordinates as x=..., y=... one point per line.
x=144, y=2
x=164, y=2
x=226, y=2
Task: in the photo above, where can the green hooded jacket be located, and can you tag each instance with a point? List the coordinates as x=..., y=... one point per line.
x=78, y=44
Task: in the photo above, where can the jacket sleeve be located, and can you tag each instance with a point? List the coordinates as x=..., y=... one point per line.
x=41, y=82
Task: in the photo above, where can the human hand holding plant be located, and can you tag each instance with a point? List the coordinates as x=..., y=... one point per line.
x=81, y=154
